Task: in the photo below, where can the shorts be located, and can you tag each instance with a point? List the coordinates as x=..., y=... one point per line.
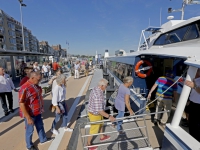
x=95, y=127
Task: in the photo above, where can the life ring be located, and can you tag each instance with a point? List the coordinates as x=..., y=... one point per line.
x=137, y=68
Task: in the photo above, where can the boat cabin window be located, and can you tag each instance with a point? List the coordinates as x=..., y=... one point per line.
x=120, y=70
x=192, y=33
x=185, y=33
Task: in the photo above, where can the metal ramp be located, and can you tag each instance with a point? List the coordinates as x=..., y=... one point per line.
x=132, y=139
x=135, y=137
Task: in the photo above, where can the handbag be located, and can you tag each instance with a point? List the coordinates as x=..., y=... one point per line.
x=113, y=97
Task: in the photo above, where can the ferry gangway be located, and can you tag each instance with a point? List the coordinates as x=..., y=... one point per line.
x=129, y=119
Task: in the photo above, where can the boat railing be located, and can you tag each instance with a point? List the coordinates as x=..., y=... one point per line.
x=107, y=122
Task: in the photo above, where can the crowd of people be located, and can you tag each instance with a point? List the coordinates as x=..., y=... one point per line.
x=32, y=106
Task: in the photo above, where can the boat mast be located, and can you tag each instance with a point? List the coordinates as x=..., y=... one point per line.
x=185, y=2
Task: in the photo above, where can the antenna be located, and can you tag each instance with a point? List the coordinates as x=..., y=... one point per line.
x=149, y=22
x=160, y=16
x=185, y=2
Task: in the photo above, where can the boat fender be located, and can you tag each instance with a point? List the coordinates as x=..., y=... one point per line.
x=138, y=70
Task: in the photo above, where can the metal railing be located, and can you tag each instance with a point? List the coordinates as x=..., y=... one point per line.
x=135, y=117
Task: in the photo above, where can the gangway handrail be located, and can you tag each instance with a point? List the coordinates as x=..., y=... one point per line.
x=129, y=117
x=122, y=118
x=135, y=139
x=113, y=131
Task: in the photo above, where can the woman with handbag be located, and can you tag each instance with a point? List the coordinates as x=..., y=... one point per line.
x=122, y=100
x=58, y=101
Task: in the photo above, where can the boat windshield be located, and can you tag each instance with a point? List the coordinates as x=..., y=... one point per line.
x=185, y=33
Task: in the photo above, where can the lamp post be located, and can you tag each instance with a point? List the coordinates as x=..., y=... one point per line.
x=22, y=4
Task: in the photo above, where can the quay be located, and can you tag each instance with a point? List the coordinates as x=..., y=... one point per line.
x=12, y=127
x=140, y=132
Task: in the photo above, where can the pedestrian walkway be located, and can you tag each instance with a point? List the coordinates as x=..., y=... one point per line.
x=14, y=129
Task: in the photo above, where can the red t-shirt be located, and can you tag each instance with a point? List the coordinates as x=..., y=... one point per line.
x=24, y=80
x=55, y=66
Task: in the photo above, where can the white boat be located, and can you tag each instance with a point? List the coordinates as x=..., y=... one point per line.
x=176, y=46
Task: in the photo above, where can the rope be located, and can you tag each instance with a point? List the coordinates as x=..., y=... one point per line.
x=164, y=91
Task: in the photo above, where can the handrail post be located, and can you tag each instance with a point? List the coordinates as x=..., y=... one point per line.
x=146, y=131
x=81, y=136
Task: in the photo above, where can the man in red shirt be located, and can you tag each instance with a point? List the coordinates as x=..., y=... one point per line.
x=31, y=105
x=55, y=66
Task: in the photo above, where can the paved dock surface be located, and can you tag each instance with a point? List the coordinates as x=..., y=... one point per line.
x=12, y=131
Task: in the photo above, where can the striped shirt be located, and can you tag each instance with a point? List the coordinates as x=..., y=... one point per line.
x=31, y=95
x=96, y=101
x=163, y=84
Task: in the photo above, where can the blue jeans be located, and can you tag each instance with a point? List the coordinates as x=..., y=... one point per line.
x=30, y=128
x=119, y=123
x=58, y=116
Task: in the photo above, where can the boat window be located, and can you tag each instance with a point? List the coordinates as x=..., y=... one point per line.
x=160, y=40
x=192, y=33
x=182, y=34
x=120, y=70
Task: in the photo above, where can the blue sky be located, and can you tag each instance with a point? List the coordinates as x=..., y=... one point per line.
x=93, y=25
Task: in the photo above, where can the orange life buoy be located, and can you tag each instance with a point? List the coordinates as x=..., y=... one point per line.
x=137, y=68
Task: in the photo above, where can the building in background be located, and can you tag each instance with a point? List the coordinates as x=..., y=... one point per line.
x=11, y=42
x=59, y=53
x=11, y=35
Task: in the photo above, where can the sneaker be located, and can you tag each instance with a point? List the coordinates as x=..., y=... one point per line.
x=93, y=148
x=11, y=110
x=47, y=141
x=32, y=148
x=106, y=137
x=68, y=129
x=54, y=131
x=6, y=113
